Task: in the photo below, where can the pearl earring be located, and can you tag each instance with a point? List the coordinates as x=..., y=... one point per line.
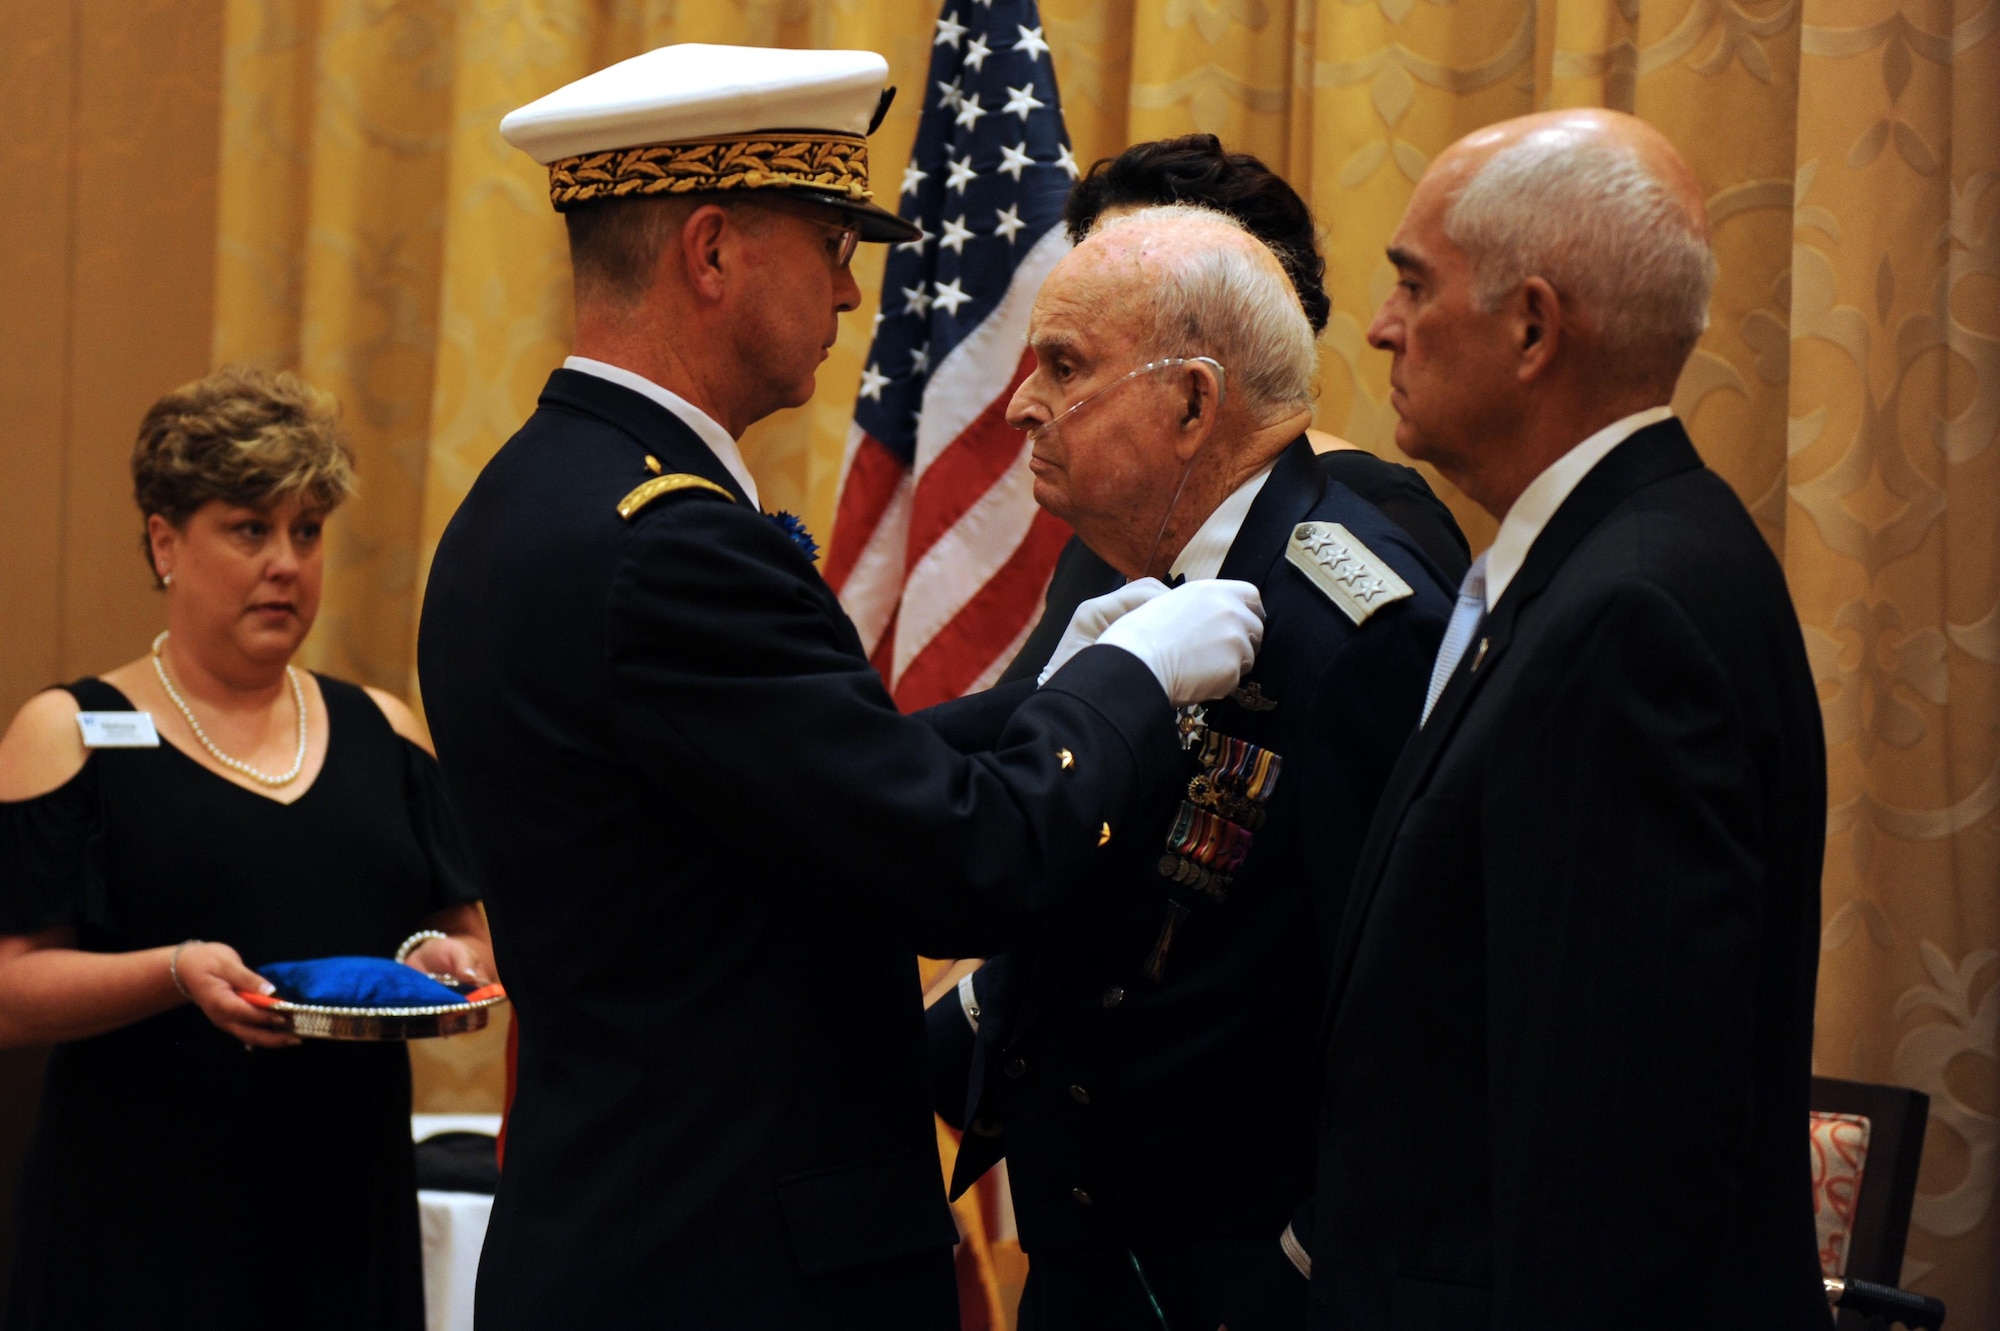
x=166, y=579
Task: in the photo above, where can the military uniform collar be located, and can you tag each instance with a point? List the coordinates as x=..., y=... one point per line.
x=705, y=427
x=1287, y=492
x=1202, y=556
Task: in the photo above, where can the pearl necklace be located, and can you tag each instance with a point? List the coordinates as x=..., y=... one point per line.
x=236, y=764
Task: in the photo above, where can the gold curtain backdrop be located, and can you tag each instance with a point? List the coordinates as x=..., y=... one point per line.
x=374, y=232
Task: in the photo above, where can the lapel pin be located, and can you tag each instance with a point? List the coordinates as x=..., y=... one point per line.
x=1479, y=655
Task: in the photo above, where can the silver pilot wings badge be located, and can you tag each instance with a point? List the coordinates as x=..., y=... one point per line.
x=1353, y=577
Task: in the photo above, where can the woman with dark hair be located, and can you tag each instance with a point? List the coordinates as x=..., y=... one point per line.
x=1194, y=169
x=169, y=825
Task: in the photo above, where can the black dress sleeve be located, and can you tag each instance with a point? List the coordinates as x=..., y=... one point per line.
x=453, y=881
x=52, y=858
x=1406, y=500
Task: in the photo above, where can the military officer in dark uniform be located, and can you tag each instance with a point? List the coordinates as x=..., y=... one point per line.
x=1146, y=1062
x=714, y=847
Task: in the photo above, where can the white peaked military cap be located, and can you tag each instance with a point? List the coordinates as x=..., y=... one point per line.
x=693, y=119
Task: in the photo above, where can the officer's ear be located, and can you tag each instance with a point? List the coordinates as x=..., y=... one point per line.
x=704, y=240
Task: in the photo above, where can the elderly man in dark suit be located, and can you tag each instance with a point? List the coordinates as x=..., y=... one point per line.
x=1570, y=1018
x=1145, y=1061
x=714, y=847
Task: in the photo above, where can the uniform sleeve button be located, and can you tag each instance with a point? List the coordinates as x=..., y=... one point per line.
x=1016, y=1068
x=1078, y=1094
x=1066, y=758
x=1104, y=835
x=1081, y=1197
x=1114, y=995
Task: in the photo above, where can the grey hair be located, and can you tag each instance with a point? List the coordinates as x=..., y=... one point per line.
x=1609, y=236
x=1217, y=300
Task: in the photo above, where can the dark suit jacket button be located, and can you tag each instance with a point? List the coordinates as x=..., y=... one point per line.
x=1016, y=1068
x=1078, y=1094
x=1082, y=1197
x=1114, y=995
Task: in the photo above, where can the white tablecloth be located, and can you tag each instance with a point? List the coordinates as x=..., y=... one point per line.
x=454, y=1229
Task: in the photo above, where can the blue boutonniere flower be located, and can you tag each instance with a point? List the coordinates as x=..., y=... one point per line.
x=789, y=524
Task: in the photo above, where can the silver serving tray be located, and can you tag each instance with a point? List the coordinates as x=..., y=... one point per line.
x=312, y=1021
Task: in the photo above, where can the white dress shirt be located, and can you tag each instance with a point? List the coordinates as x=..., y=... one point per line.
x=705, y=426
x=1545, y=494
x=1202, y=556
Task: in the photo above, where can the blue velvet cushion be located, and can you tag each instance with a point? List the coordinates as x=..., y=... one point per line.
x=356, y=982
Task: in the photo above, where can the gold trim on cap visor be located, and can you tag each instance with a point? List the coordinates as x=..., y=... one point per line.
x=836, y=163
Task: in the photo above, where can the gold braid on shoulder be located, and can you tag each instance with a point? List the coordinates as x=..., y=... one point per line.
x=648, y=491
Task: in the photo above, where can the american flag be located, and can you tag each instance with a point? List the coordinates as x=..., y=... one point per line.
x=938, y=552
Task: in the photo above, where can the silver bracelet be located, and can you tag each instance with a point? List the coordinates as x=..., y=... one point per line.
x=415, y=941
x=174, y=965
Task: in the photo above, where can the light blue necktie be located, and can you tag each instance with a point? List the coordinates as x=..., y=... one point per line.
x=1465, y=617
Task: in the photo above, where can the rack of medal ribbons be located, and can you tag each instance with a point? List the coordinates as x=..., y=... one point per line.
x=1217, y=821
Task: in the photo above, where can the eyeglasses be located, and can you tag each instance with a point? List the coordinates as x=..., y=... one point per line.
x=850, y=239
x=1049, y=427
x=843, y=239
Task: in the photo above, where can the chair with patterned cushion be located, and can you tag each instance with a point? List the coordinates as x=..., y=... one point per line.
x=1867, y=1143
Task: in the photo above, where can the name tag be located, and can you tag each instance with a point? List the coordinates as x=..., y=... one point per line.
x=118, y=730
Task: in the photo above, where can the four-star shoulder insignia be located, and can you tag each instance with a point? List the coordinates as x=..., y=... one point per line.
x=1353, y=577
x=646, y=493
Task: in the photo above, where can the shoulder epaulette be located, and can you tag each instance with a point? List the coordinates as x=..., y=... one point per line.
x=1353, y=577
x=646, y=493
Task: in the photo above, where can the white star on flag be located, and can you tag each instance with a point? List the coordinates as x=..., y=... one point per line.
x=920, y=358
x=873, y=382
x=916, y=302
x=950, y=95
x=923, y=238
x=1014, y=160
x=950, y=30
x=1021, y=101
x=949, y=297
x=977, y=51
x=961, y=175
x=1031, y=41
x=913, y=176
x=1067, y=161
x=1009, y=222
x=956, y=233
x=969, y=110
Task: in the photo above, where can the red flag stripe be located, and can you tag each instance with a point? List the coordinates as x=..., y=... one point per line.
x=966, y=469
x=963, y=649
x=872, y=477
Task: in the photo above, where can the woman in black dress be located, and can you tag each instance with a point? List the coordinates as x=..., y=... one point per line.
x=192, y=1165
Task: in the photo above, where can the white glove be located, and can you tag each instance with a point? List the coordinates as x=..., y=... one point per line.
x=1199, y=639
x=1096, y=615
